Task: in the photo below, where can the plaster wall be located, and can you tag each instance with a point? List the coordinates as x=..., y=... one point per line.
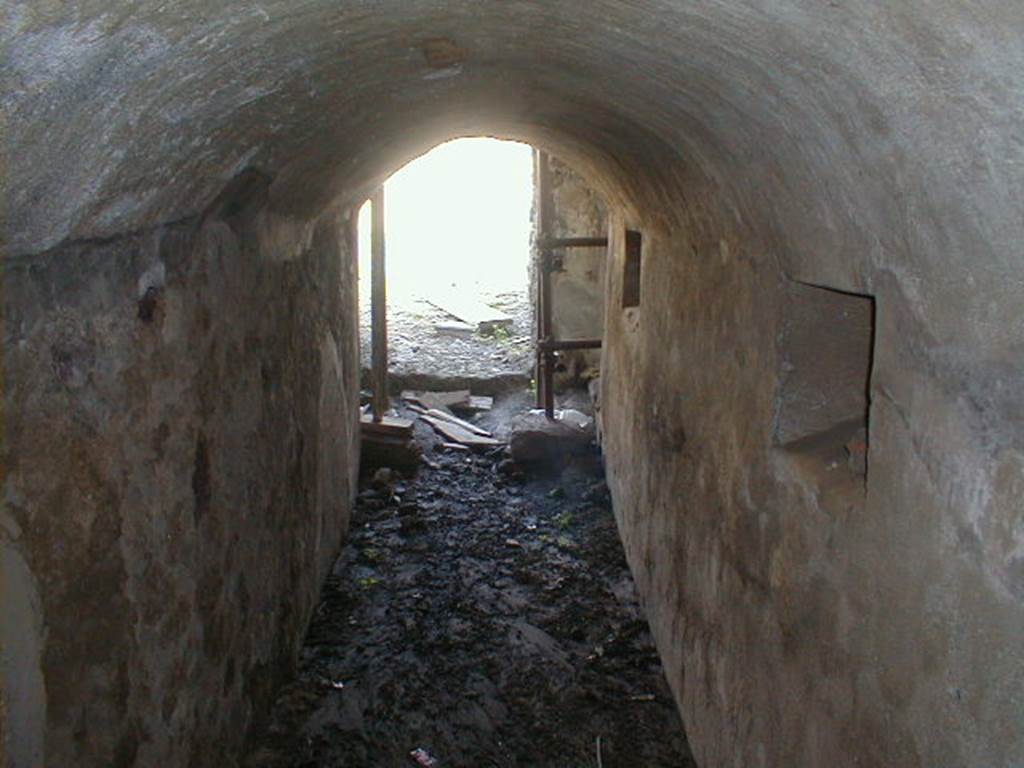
x=180, y=450
x=807, y=616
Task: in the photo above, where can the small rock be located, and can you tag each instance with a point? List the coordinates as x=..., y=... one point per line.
x=411, y=524
x=371, y=500
x=574, y=418
x=536, y=438
x=423, y=759
x=507, y=467
x=597, y=493
x=383, y=478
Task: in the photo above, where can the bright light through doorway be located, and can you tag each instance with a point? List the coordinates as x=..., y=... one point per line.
x=458, y=219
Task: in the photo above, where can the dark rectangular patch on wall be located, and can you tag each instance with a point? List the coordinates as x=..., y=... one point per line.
x=631, y=270
x=825, y=351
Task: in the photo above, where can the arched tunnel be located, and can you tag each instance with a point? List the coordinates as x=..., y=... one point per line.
x=180, y=358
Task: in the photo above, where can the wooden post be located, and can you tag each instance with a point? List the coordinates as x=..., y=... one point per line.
x=547, y=353
x=545, y=358
x=538, y=311
x=379, y=309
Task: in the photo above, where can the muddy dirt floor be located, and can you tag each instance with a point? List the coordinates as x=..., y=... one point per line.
x=484, y=615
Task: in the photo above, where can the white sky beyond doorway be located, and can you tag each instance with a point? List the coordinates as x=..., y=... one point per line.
x=457, y=217
x=458, y=224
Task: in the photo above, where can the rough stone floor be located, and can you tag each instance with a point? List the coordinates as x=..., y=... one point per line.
x=486, y=617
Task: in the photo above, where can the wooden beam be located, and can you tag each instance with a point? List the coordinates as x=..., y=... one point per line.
x=550, y=345
x=476, y=403
x=459, y=422
x=379, y=309
x=389, y=425
x=573, y=242
x=457, y=434
x=438, y=399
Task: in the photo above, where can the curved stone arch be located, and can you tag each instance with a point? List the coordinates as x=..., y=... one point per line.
x=838, y=135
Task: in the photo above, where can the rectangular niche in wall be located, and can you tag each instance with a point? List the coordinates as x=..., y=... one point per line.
x=825, y=348
x=631, y=270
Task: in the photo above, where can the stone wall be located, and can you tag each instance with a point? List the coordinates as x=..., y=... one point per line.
x=807, y=616
x=181, y=442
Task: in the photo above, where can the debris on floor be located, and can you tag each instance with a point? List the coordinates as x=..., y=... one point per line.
x=461, y=401
x=480, y=615
x=383, y=479
x=423, y=758
x=436, y=399
x=435, y=409
x=458, y=434
x=388, y=442
x=393, y=426
x=448, y=417
x=477, y=404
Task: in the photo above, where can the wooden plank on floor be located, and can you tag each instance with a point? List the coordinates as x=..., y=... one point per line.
x=389, y=425
x=457, y=434
x=480, y=403
x=462, y=330
x=474, y=405
x=459, y=422
x=470, y=310
x=439, y=400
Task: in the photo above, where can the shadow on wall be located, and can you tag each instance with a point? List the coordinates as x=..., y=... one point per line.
x=22, y=691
